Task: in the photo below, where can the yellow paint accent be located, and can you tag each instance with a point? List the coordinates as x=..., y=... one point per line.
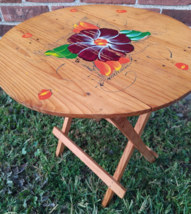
x=118, y=68
x=52, y=54
x=100, y=42
x=75, y=25
x=44, y=93
x=108, y=73
x=82, y=24
x=55, y=54
x=183, y=66
x=114, y=65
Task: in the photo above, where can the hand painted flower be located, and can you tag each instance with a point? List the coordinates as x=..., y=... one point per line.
x=100, y=44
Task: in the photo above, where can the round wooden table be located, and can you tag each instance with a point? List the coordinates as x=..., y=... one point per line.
x=98, y=61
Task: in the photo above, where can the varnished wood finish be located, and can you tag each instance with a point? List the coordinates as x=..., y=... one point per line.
x=139, y=127
x=65, y=130
x=74, y=88
x=153, y=152
x=25, y=71
x=99, y=171
x=126, y=128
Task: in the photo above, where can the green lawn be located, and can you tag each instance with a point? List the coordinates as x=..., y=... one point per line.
x=33, y=181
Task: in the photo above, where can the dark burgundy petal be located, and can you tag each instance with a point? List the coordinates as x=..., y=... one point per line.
x=107, y=33
x=124, y=48
x=120, y=39
x=77, y=47
x=90, y=54
x=121, y=54
x=107, y=54
x=93, y=33
x=79, y=38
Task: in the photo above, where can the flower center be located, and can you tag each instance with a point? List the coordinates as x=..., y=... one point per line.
x=102, y=42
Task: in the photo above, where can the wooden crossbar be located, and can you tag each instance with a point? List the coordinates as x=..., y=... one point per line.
x=127, y=129
x=153, y=152
x=111, y=182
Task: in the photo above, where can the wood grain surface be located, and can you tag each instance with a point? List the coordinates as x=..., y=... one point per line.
x=139, y=127
x=158, y=73
x=65, y=130
x=85, y=158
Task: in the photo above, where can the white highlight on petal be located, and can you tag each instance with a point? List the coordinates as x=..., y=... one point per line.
x=99, y=54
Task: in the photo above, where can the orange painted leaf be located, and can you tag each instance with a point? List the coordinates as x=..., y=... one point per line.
x=73, y=10
x=121, y=11
x=123, y=60
x=44, y=94
x=27, y=35
x=114, y=65
x=77, y=28
x=86, y=25
x=83, y=26
x=182, y=66
x=103, y=67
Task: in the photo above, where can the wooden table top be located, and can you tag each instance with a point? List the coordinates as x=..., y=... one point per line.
x=97, y=61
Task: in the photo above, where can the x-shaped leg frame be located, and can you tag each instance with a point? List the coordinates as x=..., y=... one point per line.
x=133, y=134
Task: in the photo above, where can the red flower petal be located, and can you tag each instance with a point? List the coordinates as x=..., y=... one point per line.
x=124, y=48
x=89, y=54
x=182, y=66
x=103, y=67
x=107, y=33
x=114, y=65
x=124, y=60
x=83, y=26
x=121, y=11
x=73, y=10
x=79, y=38
x=107, y=54
x=27, y=35
x=93, y=33
x=44, y=94
x=77, y=28
x=120, y=39
x=86, y=25
x=77, y=47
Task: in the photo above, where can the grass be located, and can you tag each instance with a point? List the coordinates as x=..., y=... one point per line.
x=33, y=181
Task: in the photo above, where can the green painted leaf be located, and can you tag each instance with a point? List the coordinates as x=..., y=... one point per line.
x=125, y=31
x=71, y=56
x=135, y=35
x=61, y=52
x=61, y=48
x=64, y=53
x=143, y=35
x=52, y=53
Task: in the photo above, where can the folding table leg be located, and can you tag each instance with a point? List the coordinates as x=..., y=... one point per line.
x=139, y=127
x=127, y=129
x=98, y=170
x=65, y=130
